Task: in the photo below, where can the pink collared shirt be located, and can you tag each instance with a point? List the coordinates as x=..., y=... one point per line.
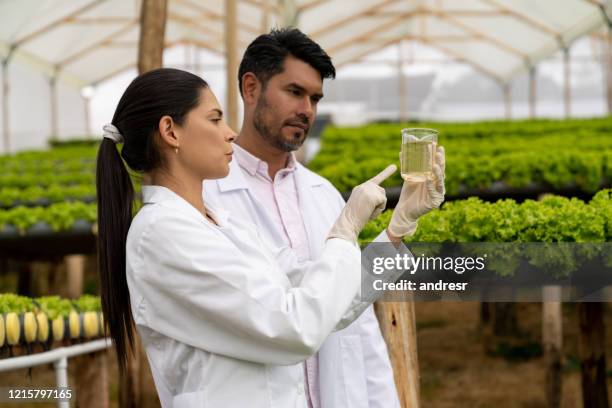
x=280, y=198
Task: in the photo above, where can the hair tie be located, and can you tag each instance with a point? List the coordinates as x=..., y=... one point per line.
x=111, y=132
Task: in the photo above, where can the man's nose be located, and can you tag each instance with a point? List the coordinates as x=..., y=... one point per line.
x=307, y=108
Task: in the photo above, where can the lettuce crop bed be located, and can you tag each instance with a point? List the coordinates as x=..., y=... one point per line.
x=48, y=321
x=551, y=220
x=54, y=218
x=40, y=178
x=547, y=154
x=65, y=173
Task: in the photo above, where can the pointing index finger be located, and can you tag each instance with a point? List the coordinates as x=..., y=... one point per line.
x=380, y=177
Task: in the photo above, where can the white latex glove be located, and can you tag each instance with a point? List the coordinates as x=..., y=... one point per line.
x=418, y=198
x=366, y=202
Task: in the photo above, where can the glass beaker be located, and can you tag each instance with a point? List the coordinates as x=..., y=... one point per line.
x=418, y=152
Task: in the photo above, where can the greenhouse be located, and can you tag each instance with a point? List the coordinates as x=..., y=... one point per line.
x=141, y=139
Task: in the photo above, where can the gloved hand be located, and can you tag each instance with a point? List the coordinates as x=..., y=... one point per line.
x=418, y=198
x=366, y=202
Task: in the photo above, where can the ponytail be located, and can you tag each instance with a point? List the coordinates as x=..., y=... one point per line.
x=146, y=100
x=115, y=195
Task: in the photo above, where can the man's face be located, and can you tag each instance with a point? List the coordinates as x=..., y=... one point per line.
x=287, y=106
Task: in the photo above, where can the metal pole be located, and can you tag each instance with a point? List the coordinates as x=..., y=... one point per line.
x=607, y=42
x=231, y=55
x=401, y=82
x=606, y=60
x=32, y=360
x=61, y=378
x=507, y=100
x=53, y=105
x=187, y=57
x=6, y=128
x=567, y=85
x=196, y=60
x=532, y=92
x=185, y=65
x=86, y=108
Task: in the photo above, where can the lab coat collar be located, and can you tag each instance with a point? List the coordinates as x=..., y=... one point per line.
x=247, y=161
x=236, y=180
x=155, y=194
x=253, y=164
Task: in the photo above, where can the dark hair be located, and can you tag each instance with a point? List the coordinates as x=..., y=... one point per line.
x=266, y=55
x=145, y=101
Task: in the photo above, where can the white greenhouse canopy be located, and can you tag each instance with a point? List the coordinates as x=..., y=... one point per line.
x=84, y=42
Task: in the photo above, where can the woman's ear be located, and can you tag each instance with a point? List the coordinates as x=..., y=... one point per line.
x=251, y=87
x=166, y=131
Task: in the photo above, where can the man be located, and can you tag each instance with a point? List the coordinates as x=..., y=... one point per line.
x=281, y=79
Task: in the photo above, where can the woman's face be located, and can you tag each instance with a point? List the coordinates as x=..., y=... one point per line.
x=205, y=139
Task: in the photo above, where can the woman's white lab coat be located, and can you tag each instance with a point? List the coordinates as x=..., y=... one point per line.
x=220, y=321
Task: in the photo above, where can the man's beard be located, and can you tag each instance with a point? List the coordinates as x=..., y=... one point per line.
x=273, y=137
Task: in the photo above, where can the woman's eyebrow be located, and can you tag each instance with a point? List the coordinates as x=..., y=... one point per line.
x=219, y=111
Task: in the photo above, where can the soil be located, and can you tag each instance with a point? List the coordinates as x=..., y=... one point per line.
x=455, y=368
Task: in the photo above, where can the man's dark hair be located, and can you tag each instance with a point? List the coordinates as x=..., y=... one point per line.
x=266, y=55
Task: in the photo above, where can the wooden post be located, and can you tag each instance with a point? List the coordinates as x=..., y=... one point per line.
x=532, y=92
x=75, y=267
x=152, y=33
x=40, y=272
x=607, y=63
x=6, y=128
x=552, y=339
x=231, y=55
x=592, y=354
x=401, y=82
x=25, y=279
x=507, y=100
x=265, y=16
x=53, y=106
x=290, y=13
x=130, y=390
x=398, y=325
x=505, y=322
x=91, y=380
x=485, y=314
x=150, y=56
x=566, y=82
x=57, y=278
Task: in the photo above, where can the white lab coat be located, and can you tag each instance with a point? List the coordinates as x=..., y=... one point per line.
x=354, y=366
x=220, y=320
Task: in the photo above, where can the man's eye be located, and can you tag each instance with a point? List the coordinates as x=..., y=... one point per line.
x=296, y=92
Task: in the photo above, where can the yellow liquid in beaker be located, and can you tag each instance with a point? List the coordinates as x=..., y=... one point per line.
x=417, y=160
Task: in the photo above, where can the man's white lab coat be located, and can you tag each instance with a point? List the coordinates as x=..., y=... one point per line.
x=222, y=323
x=354, y=366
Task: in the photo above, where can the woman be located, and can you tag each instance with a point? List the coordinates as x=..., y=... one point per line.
x=221, y=323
